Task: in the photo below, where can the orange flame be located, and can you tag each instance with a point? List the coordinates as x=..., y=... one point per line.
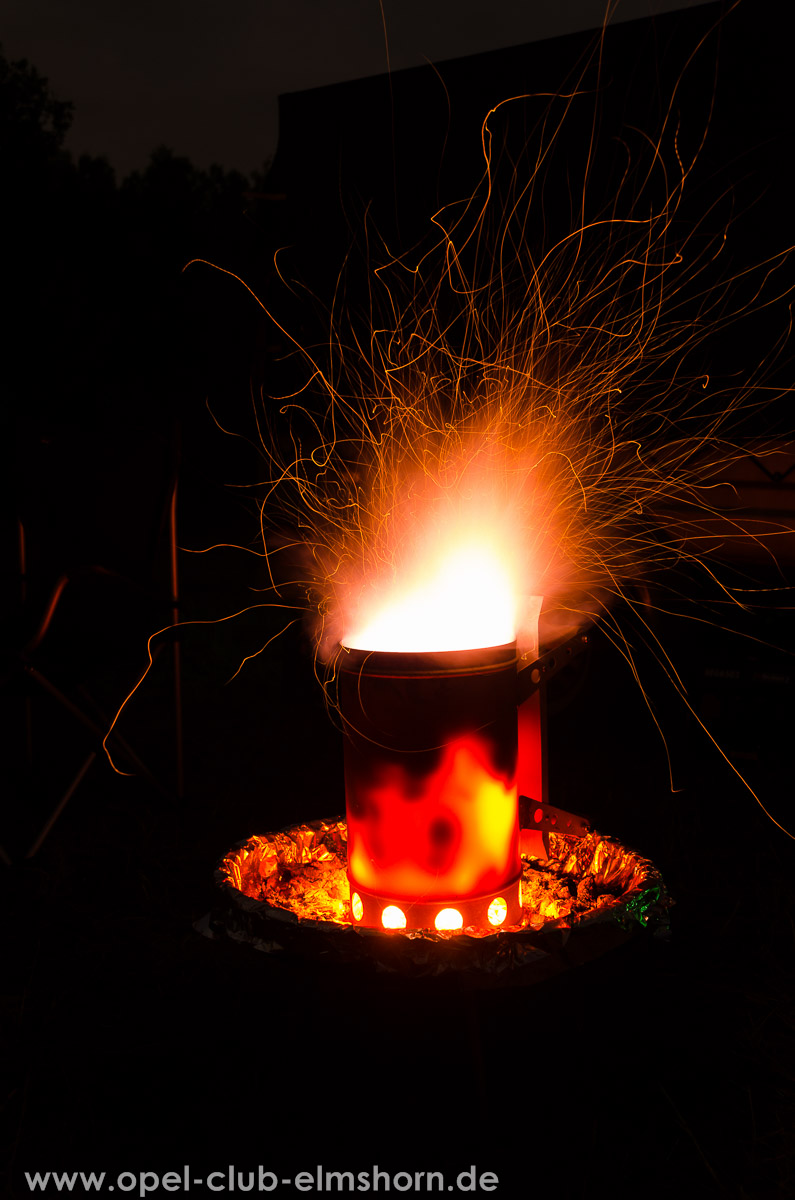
x=529, y=417
x=460, y=837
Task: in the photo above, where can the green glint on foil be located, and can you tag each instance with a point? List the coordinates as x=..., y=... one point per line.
x=637, y=908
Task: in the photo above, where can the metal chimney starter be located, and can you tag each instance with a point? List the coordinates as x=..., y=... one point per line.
x=431, y=790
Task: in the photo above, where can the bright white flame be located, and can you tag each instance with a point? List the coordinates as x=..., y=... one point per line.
x=466, y=603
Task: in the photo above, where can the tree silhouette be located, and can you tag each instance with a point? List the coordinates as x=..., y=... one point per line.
x=32, y=120
x=103, y=324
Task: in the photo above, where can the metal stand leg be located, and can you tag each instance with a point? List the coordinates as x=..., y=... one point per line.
x=95, y=729
x=62, y=803
x=175, y=615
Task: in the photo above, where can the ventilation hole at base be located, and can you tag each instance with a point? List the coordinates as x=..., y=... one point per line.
x=449, y=918
x=393, y=917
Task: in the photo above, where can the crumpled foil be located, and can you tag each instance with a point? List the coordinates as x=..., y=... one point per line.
x=288, y=893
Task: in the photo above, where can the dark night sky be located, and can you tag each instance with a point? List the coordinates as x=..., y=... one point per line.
x=203, y=78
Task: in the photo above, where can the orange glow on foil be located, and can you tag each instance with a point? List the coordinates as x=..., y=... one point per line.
x=457, y=837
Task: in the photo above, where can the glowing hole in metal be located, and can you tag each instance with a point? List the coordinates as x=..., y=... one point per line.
x=449, y=918
x=393, y=917
x=498, y=911
x=357, y=908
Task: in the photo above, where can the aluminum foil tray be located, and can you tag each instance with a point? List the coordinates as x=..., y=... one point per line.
x=287, y=894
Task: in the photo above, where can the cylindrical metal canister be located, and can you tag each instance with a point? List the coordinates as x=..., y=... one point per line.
x=430, y=781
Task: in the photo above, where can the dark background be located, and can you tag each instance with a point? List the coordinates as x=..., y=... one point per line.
x=134, y=1043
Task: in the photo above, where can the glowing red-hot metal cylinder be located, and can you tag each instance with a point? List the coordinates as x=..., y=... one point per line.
x=430, y=782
